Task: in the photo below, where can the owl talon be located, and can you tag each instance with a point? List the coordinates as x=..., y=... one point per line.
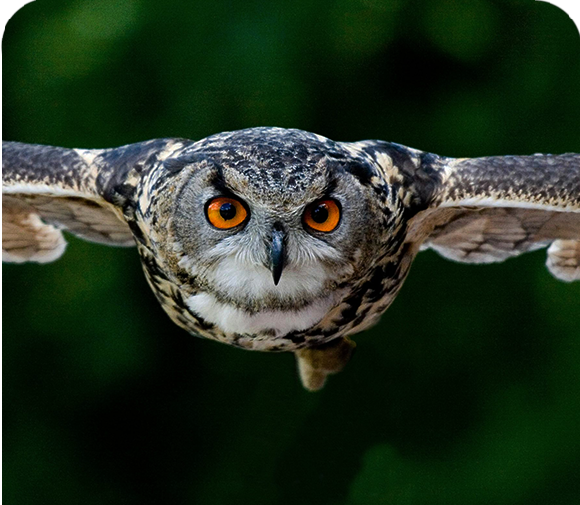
x=317, y=363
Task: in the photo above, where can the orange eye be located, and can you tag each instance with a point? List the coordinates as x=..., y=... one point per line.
x=225, y=213
x=323, y=215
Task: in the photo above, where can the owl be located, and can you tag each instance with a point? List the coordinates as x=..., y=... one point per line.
x=276, y=239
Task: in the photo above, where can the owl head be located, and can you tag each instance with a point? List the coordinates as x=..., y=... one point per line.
x=270, y=227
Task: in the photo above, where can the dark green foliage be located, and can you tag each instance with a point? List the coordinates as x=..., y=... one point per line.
x=468, y=392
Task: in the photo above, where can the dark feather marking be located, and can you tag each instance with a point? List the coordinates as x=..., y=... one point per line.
x=119, y=162
x=364, y=172
x=153, y=268
x=137, y=232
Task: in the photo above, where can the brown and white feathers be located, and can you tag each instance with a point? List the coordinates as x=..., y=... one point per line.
x=278, y=281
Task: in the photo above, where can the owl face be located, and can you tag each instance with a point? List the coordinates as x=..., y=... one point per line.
x=270, y=233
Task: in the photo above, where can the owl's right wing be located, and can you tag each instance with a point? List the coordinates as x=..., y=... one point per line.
x=47, y=189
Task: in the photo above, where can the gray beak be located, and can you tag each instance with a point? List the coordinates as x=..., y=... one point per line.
x=277, y=253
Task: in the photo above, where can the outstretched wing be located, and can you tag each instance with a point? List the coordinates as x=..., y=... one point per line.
x=484, y=210
x=46, y=189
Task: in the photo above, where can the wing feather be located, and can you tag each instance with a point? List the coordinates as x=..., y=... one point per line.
x=25, y=237
x=47, y=189
x=484, y=210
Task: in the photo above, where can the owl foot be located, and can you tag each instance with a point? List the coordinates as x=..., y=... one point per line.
x=315, y=364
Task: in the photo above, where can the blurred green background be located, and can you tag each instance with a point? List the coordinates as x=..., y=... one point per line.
x=468, y=392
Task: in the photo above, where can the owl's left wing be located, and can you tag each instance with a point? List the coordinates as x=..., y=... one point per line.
x=485, y=210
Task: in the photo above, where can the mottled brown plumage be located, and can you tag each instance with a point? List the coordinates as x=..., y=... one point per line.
x=217, y=283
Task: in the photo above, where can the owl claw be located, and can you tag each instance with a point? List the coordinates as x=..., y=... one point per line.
x=317, y=363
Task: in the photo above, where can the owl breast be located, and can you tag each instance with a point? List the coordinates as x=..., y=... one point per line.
x=239, y=305
x=239, y=297
x=268, y=323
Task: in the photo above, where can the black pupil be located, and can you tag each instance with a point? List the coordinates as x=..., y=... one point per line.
x=320, y=213
x=228, y=211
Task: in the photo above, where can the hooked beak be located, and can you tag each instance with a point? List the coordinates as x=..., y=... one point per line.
x=277, y=253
